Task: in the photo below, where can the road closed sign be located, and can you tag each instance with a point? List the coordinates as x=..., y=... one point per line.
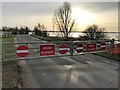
x=47, y=50
x=91, y=47
x=22, y=51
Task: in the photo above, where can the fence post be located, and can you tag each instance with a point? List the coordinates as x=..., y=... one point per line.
x=112, y=43
x=71, y=48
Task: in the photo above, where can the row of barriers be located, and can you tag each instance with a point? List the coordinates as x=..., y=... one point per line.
x=56, y=49
x=34, y=50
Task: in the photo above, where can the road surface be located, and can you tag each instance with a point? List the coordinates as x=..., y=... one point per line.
x=83, y=71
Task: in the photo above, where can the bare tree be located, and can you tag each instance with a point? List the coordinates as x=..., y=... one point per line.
x=63, y=21
x=93, y=32
x=41, y=27
x=40, y=30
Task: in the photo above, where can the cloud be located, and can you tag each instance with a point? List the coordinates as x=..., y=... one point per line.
x=97, y=6
x=28, y=8
x=30, y=13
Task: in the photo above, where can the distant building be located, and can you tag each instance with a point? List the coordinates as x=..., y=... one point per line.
x=31, y=32
x=5, y=33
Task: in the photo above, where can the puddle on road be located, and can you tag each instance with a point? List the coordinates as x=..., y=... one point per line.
x=69, y=66
x=76, y=75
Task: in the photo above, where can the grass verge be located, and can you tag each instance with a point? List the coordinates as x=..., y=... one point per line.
x=10, y=69
x=109, y=55
x=8, y=50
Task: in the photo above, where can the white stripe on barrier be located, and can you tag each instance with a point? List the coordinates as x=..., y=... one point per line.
x=103, y=46
x=79, y=48
x=63, y=48
x=22, y=51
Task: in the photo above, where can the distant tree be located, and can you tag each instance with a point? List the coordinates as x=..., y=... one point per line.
x=63, y=21
x=14, y=30
x=37, y=31
x=40, y=30
x=21, y=30
x=24, y=30
x=44, y=33
x=93, y=32
x=5, y=28
x=41, y=27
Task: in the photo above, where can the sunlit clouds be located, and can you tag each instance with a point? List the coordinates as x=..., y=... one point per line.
x=29, y=14
x=81, y=16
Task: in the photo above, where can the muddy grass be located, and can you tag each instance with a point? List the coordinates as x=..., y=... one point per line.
x=10, y=74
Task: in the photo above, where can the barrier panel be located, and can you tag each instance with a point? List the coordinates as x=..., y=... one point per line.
x=35, y=50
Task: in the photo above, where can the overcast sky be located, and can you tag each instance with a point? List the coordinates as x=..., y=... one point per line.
x=31, y=13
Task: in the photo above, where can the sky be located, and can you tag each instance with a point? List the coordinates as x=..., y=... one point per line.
x=104, y=14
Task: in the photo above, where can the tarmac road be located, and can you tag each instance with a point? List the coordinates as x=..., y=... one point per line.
x=83, y=71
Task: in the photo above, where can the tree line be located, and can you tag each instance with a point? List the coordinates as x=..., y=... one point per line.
x=16, y=30
x=40, y=30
